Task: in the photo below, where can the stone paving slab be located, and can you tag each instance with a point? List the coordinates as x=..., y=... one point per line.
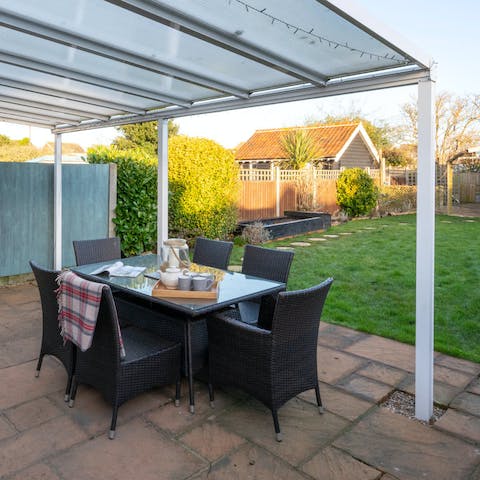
x=366, y=387
x=251, y=463
x=385, y=351
x=93, y=414
x=211, y=440
x=19, y=351
x=452, y=377
x=468, y=402
x=474, y=387
x=407, y=449
x=457, y=364
x=177, y=420
x=461, y=424
x=20, y=385
x=339, y=402
x=333, y=364
x=40, y=471
x=139, y=451
x=305, y=431
x=333, y=464
x=37, y=443
x=33, y=413
x=335, y=336
x=382, y=373
x=442, y=392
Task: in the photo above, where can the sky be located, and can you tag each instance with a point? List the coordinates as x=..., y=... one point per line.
x=443, y=29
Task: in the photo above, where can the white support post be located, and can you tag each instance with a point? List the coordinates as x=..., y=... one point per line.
x=425, y=251
x=57, y=203
x=277, y=191
x=162, y=183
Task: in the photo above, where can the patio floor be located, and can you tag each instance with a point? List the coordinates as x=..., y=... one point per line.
x=41, y=438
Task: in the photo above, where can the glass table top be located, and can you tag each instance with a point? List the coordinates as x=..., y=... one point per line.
x=233, y=288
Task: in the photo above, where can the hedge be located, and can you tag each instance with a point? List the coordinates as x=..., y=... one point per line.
x=203, y=191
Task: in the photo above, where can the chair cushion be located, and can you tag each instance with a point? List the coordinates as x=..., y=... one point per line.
x=141, y=344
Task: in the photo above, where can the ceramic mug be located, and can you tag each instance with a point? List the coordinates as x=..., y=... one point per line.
x=184, y=282
x=202, y=283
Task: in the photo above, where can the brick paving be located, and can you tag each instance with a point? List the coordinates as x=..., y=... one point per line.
x=355, y=439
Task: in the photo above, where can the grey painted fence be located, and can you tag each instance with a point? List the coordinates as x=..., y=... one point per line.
x=26, y=211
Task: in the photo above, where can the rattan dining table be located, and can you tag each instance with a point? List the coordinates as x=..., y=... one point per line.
x=233, y=288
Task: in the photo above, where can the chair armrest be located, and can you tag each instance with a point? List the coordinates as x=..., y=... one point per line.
x=231, y=336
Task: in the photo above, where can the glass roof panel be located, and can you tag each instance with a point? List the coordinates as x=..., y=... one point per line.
x=152, y=40
x=43, y=80
x=18, y=43
x=303, y=30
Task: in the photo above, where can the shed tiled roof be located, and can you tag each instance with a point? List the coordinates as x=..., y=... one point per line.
x=267, y=144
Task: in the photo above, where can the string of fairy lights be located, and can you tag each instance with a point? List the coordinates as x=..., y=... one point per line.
x=314, y=35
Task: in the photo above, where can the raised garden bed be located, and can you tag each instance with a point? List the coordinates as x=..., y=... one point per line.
x=294, y=223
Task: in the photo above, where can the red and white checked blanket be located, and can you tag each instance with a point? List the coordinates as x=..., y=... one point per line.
x=78, y=305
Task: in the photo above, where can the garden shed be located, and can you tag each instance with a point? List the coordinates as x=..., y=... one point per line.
x=333, y=146
x=72, y=66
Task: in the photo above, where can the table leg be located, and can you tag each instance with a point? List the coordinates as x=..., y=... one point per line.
x=188, y=348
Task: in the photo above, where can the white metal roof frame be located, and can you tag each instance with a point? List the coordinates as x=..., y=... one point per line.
x=72, y=65
x=96, y=63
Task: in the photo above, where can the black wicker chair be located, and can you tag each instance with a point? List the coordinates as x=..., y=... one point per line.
x=99, y=250
x=266, y=263
x=273, y=366
x=213, y=253
x=52, y=342
x=150, y=361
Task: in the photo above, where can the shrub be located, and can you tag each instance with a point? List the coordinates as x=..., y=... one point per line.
x=136, y=212
x=256, y=233
x=203, y=188
x=397, y=199
x=356, y=192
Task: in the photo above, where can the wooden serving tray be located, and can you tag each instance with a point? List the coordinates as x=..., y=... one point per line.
x=159, y=290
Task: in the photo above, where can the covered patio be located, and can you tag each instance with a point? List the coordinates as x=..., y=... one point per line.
x=115, y=62
x=355, y=439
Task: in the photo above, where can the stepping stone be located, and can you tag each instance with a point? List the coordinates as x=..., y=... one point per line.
x=317, y=239
x=331, y=236
x=285, y=248
x=470, y=221
x=445, y=221
x=300, y=244
x=373, y=228
x=346, y=233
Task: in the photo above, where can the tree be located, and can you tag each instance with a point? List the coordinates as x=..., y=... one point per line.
x=457, y=122
x=381, y=135
x=142, y=135
x=299, y=147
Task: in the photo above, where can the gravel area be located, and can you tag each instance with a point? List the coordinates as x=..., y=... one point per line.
x=404, y=404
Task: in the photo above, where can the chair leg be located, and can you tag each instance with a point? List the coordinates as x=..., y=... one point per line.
x=319, y=399
x=111, y=433
x=177, y=392
x=39, y=364
x=66, y=398
x=211, y=395
x=73, y=391
x=279, y=436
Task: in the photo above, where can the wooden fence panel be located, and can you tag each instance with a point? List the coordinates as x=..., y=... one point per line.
x=327, y=195
x=468, y=186
x=257, y=200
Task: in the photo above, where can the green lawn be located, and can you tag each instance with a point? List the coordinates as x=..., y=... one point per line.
x=374, y=272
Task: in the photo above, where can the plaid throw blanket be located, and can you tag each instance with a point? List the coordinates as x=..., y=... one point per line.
x=78, y=306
